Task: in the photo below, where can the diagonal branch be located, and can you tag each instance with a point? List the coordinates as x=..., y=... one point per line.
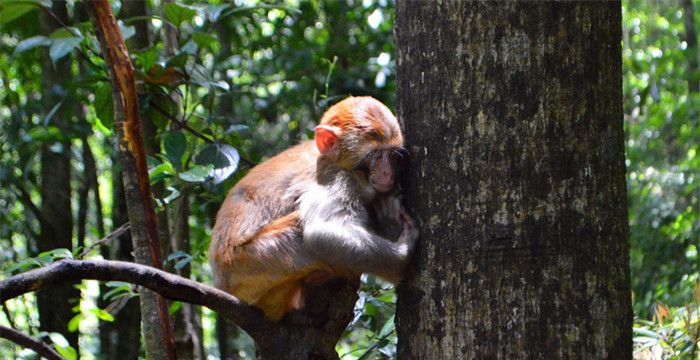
x=28, y=342
x=168, y=285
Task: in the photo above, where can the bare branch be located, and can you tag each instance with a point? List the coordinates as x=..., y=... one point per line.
x=168, y=285
x=25, y=341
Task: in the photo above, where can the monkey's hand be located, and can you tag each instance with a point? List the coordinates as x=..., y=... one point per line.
x=387, y=209
x=410, y=233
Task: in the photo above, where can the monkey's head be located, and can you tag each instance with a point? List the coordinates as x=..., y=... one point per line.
x=361, y=134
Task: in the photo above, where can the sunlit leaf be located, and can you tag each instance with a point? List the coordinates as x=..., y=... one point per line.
x=31, y=43
x=102, y=315
x=205, y=40
x=128, y=31
x=223, y=158
x=62, y=47
x=74, y=322
x=177, y=13
x=197, y=174
x=387, y=328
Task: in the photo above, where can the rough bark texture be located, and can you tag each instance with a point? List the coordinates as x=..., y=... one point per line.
x=314, y=333
x=187, y=323
x=39, y=347
x=691, y=38
x=156, y=325
x=120, y=339
x=57, y=227
x=513, y=118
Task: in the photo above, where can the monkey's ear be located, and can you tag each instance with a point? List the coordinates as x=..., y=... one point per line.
x=326, y=138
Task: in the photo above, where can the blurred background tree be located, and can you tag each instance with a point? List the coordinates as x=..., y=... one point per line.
x=226, y=84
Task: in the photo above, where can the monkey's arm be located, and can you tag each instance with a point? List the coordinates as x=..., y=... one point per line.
x=349, y=246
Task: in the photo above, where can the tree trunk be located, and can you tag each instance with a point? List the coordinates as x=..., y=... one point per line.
x=691, y=38
x=188, y=331
x=120, y=339
x=156, y=325
x=57, y=231
x=513, y=116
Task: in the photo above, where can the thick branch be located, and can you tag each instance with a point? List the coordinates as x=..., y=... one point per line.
x=27, y=342
x=168, y=285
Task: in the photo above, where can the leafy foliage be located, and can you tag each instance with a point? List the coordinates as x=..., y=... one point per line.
x=245, y=79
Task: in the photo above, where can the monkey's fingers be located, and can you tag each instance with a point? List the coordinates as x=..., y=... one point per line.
x=405, y=218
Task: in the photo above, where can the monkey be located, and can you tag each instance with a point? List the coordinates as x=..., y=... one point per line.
x=307, y=213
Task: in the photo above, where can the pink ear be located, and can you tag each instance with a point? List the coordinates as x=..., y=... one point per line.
x=326, y=138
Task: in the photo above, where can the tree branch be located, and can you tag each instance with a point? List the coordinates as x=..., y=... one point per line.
x=168, y=285
x=111, y=236
x=27, y=201
x=25, y=341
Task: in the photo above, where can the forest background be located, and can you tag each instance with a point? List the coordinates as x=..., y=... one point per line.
x=227, y=84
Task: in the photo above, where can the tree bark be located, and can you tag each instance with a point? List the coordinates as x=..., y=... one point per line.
x=120, y=339
x=156, y=325
x=169, y=285
x=188, y=330
x=691, y=38
x=37, y=346
x=57, y=229
x=513, y=116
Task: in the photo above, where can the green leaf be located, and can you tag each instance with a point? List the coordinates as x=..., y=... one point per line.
x=62, y=47
x=66, y=32
x=174, y=307
x=61, y=345
x=214, y=11
x=102, y=315
x=200, y=76
x=128, y=31
x=31, y=43
x=13, y=9
x=147, y=58
x=197, y=173
x=205, y=40
x=177, y=255
x=74, y=323
x=387, y=328
x=174, y=146
x=104, y=105
x=237, y=128
x=161, y=171
x=223, y=158
x=177, y=13
x=182, y=263
x=45, y=134
x=56, y=254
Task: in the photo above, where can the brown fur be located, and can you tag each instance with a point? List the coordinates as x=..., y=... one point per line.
x=257, y=250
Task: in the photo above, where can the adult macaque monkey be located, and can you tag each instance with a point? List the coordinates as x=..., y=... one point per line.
x=315, y=211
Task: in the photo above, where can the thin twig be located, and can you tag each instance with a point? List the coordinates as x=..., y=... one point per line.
x=180, y=123
x=183, y=124
x=118, y=232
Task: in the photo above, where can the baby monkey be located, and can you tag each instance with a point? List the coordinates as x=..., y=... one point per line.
x=324, y=208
